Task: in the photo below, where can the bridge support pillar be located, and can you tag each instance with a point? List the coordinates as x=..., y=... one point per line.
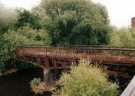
x=47, y=76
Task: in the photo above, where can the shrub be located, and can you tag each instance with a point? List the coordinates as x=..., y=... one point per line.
x=35, y=85
x=86, y=80
x=35, y=82
x=122, y=38
x=23, y=36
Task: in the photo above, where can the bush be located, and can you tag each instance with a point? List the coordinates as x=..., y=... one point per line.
x=123, y=38
x=86, y=80
x=35, y=82
x=23, y=36
x=35, y=85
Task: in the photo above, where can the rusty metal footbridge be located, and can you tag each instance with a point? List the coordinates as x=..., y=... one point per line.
x=118, y=61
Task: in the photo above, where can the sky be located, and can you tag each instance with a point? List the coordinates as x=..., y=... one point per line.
x=120, y=11
x=28, y=4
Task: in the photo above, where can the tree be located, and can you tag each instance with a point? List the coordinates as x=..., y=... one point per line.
x=76, y=21
x=23, y=36
x=26, y=18
x=86, y=80
x=123, y=37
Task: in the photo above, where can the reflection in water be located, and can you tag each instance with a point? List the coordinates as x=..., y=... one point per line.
x=18, y=84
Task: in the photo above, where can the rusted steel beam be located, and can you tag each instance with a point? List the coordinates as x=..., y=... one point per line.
x=94, y=55
x=119, y=62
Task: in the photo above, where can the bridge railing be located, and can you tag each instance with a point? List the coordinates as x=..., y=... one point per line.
x=44, y=50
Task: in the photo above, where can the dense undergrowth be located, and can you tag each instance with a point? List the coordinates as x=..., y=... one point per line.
x=86, y=80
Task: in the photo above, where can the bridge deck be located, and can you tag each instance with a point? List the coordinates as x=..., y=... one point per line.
x=120, y=62
x=95, y=55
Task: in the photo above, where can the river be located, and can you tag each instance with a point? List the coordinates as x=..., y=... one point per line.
x=18, y=84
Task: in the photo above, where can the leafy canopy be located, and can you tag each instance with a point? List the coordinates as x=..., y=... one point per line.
x=76, y=21
x=27, y=18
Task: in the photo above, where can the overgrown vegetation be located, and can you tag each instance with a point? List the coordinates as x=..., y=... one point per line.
x=21, y=32
x=86, y=80
x=22, y=36
x=124, y=37
x=59, y=22
x=53, y=22
x=76, y=22
x=64, y=22
x=35, y=86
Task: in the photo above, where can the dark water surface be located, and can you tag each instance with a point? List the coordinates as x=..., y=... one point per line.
x=18, y=84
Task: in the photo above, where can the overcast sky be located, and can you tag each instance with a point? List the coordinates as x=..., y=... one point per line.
x=120, y=11
x=28, y=4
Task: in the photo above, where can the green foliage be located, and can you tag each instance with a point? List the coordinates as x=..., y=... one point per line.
x=76, y=21
x=17, y=28
x=35, y=82
x=23, y=36
x=62, y=22
x=26, y=18
x=37, y=86
x=86, y=80
x=122, y=38
x=34, y=85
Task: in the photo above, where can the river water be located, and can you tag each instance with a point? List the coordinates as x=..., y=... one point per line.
x=18, y=84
